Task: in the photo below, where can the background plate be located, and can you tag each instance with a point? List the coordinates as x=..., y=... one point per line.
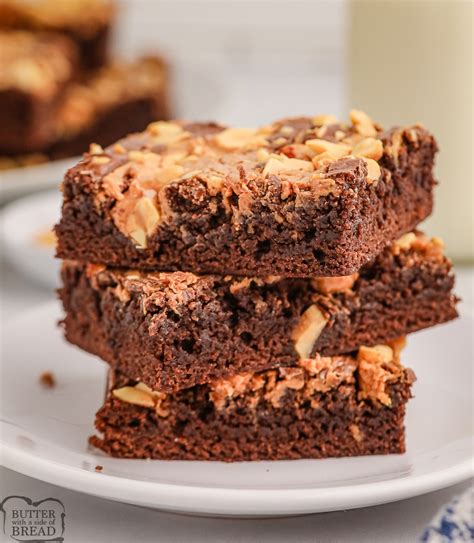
x=44, y=435
x=22, y=223
x=20, y=181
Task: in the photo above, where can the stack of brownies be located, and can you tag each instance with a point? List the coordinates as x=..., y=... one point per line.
x=251, y=288
x=58, y=89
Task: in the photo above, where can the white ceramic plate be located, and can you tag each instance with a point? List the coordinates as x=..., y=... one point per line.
x=21, y=181
x=24, y=224
x=44, y=435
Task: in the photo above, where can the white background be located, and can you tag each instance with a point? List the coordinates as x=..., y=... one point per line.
x=250, y=61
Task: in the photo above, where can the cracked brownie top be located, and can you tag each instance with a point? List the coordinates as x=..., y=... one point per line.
x=315, y=156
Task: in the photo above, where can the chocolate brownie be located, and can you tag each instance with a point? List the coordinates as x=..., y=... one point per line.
x=301, y=197
x=34, y=70
x=118, y=99
x=86, y=22
x=174, y=330
x=322, y=407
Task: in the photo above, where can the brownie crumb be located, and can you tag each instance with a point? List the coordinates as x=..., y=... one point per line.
x=47, y=379
x=99, y=468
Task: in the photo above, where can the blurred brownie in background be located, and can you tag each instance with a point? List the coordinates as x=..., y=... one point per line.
x=58, y=91
x=118, y=99
x=35, y=68
x=86, y=22
x=44, y=118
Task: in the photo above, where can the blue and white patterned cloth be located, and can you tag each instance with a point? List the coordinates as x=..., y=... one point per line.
x=454, y=523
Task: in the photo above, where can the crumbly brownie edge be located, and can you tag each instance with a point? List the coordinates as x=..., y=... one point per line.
x=297, y=234
x=181, y=330
x=196, y=424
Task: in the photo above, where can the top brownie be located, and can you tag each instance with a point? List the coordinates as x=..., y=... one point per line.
x=300, y=197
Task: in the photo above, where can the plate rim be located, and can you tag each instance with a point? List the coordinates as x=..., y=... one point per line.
x=23, y=181
x=227, y=500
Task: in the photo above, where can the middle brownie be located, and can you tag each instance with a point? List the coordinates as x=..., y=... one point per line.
x=175, y=330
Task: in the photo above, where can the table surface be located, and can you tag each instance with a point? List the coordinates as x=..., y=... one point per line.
x=97, y=520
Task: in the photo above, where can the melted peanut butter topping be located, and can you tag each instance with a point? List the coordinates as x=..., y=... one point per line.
x=418, y=242
x=374, y=368
x=378, y=367
x=297, y=155
x=33, y=63
x=85, y=17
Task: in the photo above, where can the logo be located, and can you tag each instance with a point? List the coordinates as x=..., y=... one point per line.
x=26, y=520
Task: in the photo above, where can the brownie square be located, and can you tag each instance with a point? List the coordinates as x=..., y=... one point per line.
x=175, y=330
x=301, y=197
x=34, y=70
x=323, y=407
x=111, y=102
x=86, y=22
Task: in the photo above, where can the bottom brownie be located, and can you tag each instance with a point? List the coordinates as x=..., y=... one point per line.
x=323, y=407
